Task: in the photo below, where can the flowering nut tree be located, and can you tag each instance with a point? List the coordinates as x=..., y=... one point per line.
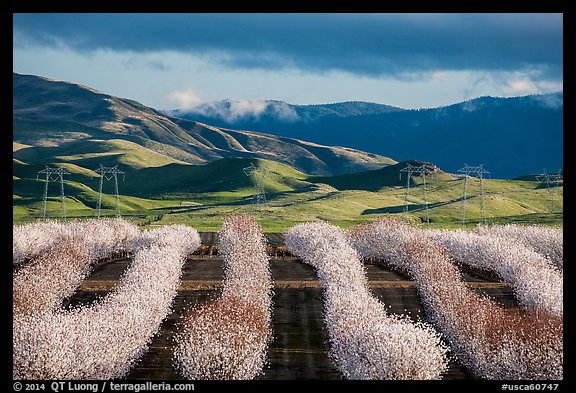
x=228, y=338
x=537, y=284
x=66, y=256
x=104, y=237
x=47, y=280
x=365, y=341
x=493, y=342
x=104, y=339
x=546, y=241
x=30, y=240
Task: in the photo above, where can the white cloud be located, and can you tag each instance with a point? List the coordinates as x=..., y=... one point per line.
x=521, y=87
x=244, y=108
x=549, y=101
x=234, y=110
x=185, y=99
x=550, y=86
x=283, y=111
x=509, y=84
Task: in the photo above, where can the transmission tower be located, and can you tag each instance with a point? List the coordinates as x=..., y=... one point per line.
x=552, y=181
x=420, y=171
x=479, y=171
x=258, y=179
x=53, y=174
x=409, y=169
x=109, y=173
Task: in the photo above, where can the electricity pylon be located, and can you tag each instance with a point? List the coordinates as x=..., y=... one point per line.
x=258, y=175
x=53, y=174
x=479, y=171
x=552, y=180
x=420, y=171
x=109, y=173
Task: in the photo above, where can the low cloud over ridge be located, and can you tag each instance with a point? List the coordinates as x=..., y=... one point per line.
x=235, y=110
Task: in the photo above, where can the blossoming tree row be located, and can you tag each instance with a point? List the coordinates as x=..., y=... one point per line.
x=536, y=283
x=547, y=241
x=60, y=256
x=365, y=341
x=228, y=338
x=493, y=342
x=104, y=339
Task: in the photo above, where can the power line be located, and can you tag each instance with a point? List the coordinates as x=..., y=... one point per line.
x=53, y=174
x=109, y=173
x=409, y=169
x=420, y=171
x=552, y=181
x=479, y=171
x=253, y=171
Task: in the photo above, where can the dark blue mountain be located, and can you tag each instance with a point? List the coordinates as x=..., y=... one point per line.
x=510, y=136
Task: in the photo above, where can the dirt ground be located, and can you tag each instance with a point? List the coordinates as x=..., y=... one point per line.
x=300, y=345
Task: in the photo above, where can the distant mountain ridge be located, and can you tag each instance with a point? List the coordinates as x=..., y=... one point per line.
x=510, y=136
x=54, y=116
x=248, y=111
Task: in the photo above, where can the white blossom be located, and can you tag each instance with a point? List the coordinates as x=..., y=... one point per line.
x=545, y=240
x=58, y=265
x=104, y=339
x=493, y=342
x=228, y=338
x=365, y=341
x=536, y=283
x=103, y=237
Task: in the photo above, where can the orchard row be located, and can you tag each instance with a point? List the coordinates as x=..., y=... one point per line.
x=228, y=337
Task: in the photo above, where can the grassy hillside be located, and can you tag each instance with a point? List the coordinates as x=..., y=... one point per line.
x=90, y=153
x=225, y=175
x=182, y=171
x=375, y=180
x=65, y=120
x=202, y=196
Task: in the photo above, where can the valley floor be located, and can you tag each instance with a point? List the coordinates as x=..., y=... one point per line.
x=300, y=346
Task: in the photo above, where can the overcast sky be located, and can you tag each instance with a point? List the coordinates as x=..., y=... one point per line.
x=408, y=60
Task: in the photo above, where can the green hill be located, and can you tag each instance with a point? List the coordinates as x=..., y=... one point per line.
x=375, y=180
x=150, y=188
x=67, y=119
x=180, y=171
x=91, y=153
x=202, y=195
x=225, y=175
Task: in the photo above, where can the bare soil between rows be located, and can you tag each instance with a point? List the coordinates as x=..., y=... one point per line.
x=299, y=350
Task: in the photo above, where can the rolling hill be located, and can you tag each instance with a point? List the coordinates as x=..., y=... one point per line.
x=144, y=186
x=375, y=180
x=510, y=136
x=181, y=171
x=203, y=195
x=58, y=119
